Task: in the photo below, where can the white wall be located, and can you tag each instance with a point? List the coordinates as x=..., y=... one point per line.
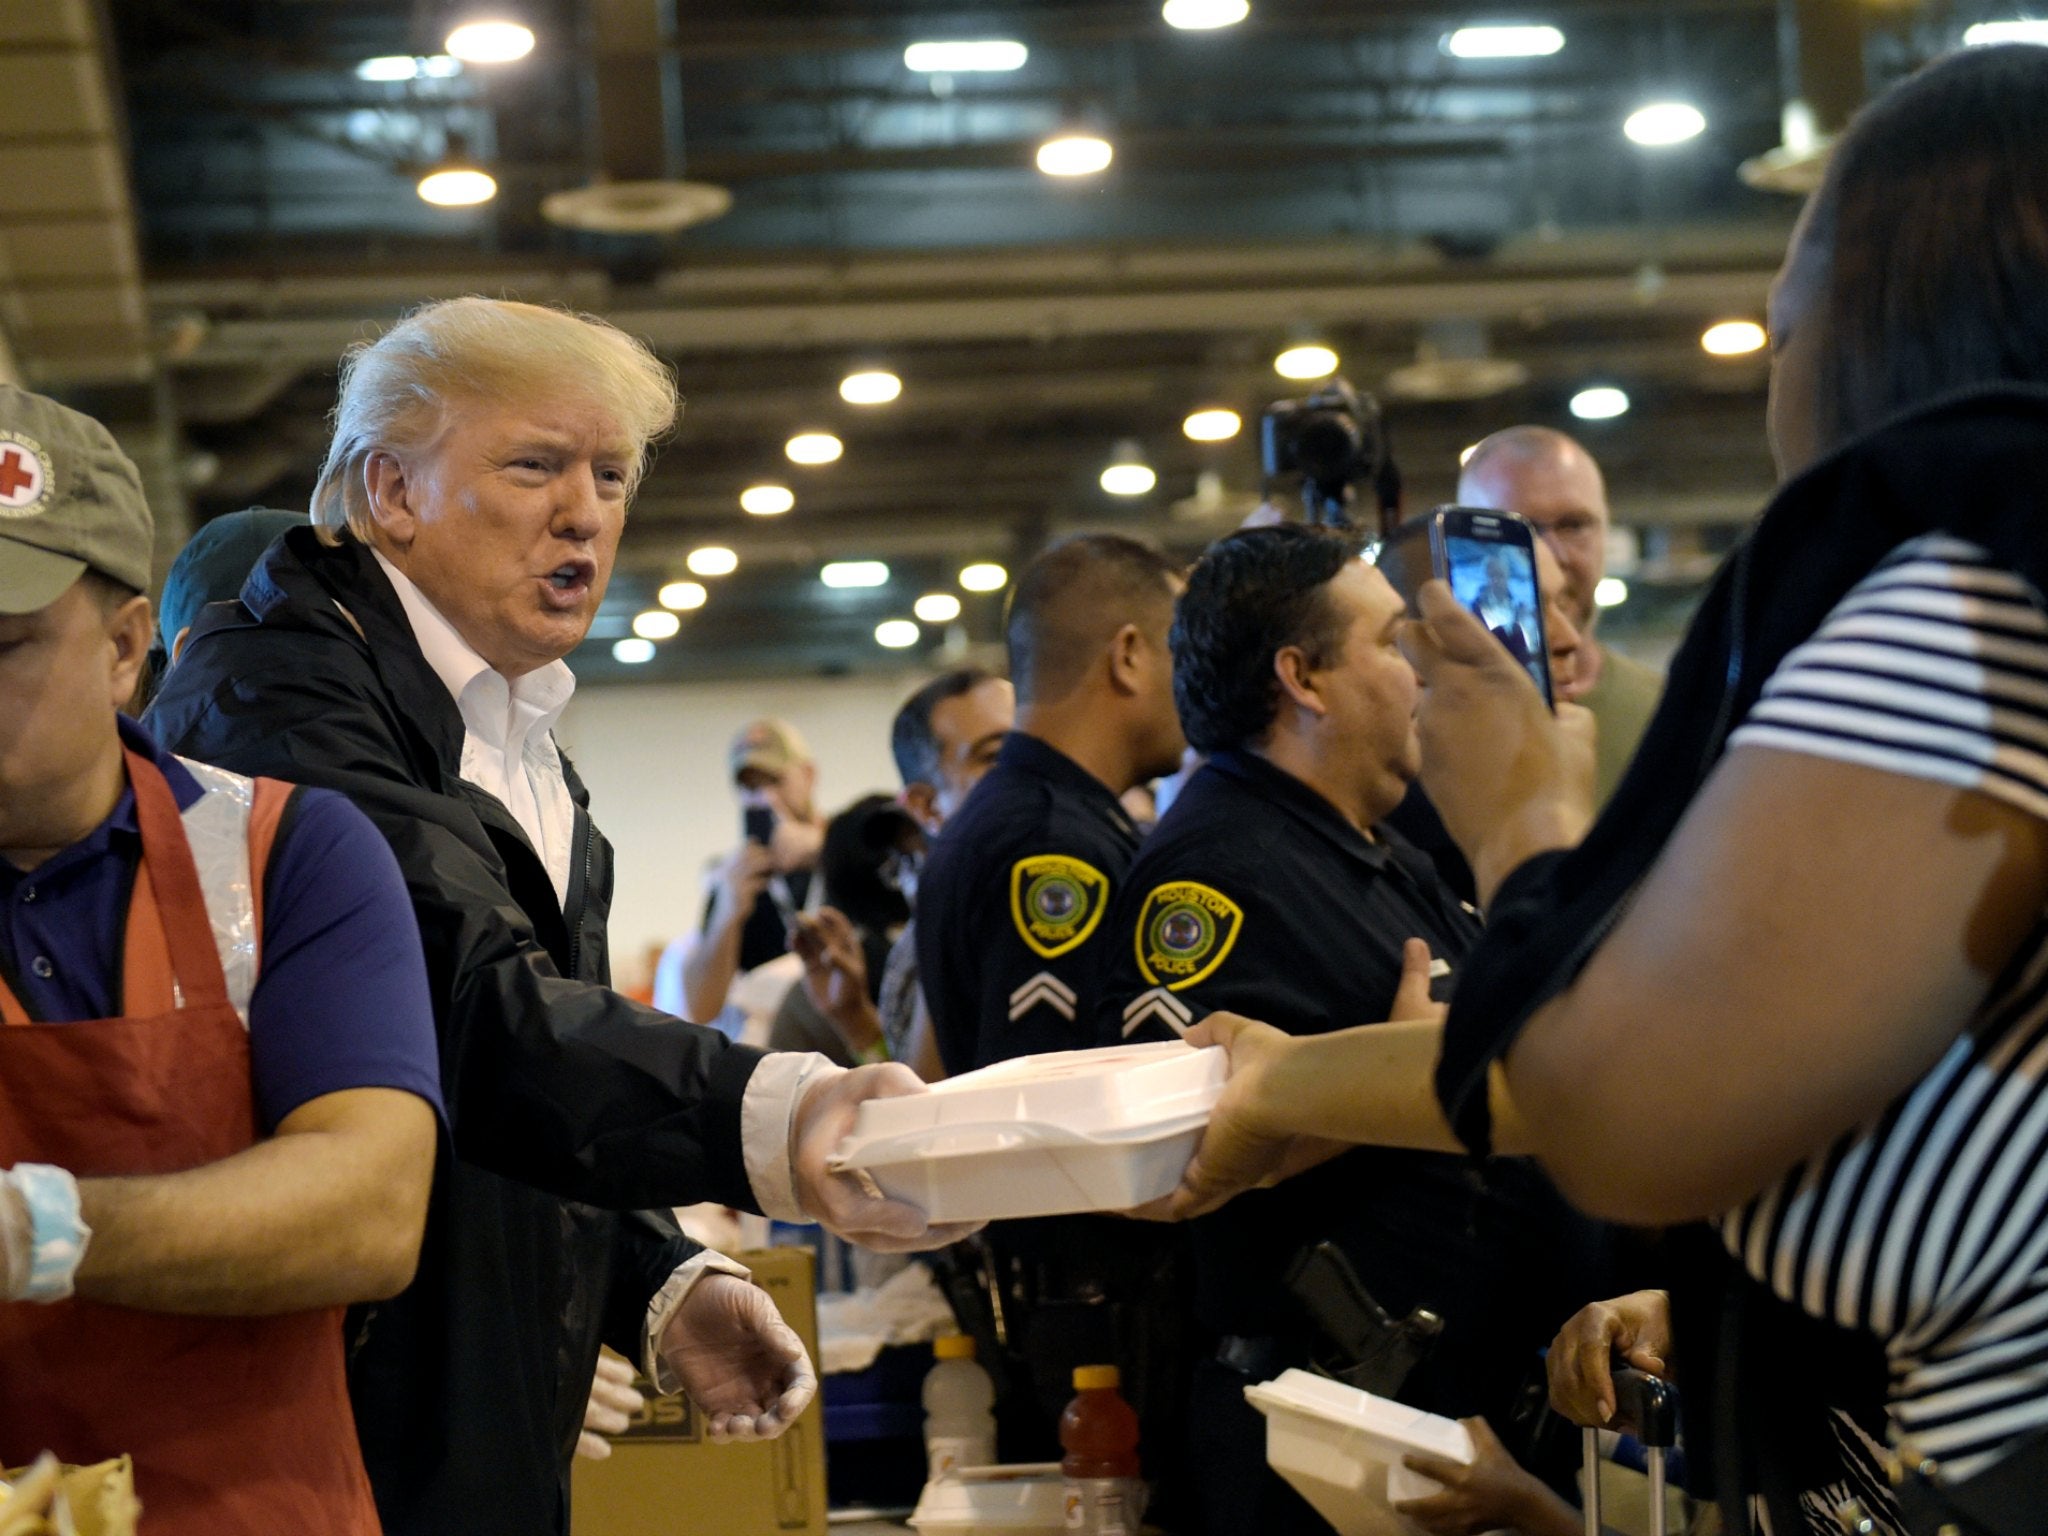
x=654, y=758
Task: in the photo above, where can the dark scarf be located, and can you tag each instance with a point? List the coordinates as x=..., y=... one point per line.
x=1974, y=466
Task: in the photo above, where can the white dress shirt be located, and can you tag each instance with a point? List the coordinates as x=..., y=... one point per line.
x=509, y=752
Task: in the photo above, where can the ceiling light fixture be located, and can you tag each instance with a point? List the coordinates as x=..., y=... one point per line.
x=1204, y=15
x=1734, y=338
x=1611, y=592
x=973, y=56
x=1306, y=360
x=712, y=560
x=1989, y=32
x=984, y=576
x=403, y=66
x=457, y=186
x=656, y=624
x=937, y=608
x=855, y=573
x=633, y=650
x=1503, y=42
x=1074, y=154
x=767, y=500
x=683, y=596
x=1215, y=425
x=897, y=634
x=813, y=448
x=1662, y=124
x=490, y=41
x=1127, y=473
x=1603, y=402
x=871, y=386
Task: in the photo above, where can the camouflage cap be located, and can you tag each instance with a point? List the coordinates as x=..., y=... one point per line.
x=70, y=501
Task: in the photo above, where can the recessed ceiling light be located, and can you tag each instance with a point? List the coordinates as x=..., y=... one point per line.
x=1734, y=338
x=972, y=56
x=401, y=66
x=633, y=650
x=1611, y=592
x=457, y=187
x=656, y=624
x=1204, y=15
x=872, y=386
x=1503, y=42
x=1128, y=479
x=1074, y=154
x=984, y=576
x=1664, y=123
x=897, y=634
x=1309, y=360
x=1212, y=426
x=682, y=595
x=767, y=500
x=490, y=42
x=855, y=573
x=712, y=560
x=1987, y=32
x=813, y=448
x=1602, y=402
x=937, y=607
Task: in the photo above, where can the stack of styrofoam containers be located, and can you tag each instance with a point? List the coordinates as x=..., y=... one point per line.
x=1047, y=1135
x=1024, y=1500
x=1341, y=1449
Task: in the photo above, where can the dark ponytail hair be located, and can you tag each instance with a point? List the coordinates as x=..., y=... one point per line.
x=1932, y=224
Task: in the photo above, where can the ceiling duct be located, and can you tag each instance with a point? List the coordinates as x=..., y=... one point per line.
x=639, y=189
x=1453, y=363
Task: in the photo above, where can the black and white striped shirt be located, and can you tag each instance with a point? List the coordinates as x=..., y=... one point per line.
x=1929, y=1225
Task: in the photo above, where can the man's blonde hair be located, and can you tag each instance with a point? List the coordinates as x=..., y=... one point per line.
x=397, y=391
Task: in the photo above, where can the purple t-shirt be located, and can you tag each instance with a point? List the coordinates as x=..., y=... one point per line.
x=341, y=1000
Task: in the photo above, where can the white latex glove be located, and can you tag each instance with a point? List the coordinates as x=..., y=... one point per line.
x=17, y=1244
x=613, y=1402
x=738, y=1360
x=849, y=1203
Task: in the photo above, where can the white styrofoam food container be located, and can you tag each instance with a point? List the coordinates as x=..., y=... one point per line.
x=1341, y=1449
x=1024, y=1500
x=1043, y=1135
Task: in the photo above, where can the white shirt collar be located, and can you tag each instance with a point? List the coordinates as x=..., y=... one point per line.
x=503, y=712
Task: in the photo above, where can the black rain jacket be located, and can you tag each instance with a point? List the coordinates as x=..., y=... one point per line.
x=568, y=1103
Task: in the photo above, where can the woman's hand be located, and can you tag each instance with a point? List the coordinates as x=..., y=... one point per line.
x=1509, y=778
x=1637, y=1327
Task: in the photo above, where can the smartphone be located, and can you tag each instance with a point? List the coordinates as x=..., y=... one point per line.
x=1489, y=561
x=757, y=824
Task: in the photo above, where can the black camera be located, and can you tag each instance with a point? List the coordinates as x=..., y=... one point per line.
x=1336, y=441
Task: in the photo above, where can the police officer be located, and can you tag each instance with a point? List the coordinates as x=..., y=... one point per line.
x=1270, y=888
x=1010, y=935
x=1011, y=902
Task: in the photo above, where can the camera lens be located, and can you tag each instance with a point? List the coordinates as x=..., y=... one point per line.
x=1327, y=446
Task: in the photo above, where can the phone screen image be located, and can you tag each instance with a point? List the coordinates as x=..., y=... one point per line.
x=1497, y=582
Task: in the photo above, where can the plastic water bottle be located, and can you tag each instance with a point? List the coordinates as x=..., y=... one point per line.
x=959, y=1429
x=1099, y=1433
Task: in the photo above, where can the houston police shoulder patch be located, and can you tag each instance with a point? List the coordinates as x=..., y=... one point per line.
x=1056, y=902
x=1185, y=930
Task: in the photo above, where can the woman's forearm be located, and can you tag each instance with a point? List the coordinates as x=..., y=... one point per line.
x=1375, y=1086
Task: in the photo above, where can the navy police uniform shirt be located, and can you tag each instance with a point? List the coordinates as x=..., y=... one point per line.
x=1011, y=907
x=1256, y=896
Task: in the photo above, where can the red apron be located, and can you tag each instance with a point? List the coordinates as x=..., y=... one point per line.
x=238, y=1426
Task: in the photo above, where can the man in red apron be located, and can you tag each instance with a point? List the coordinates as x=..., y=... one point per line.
x=218, y=1085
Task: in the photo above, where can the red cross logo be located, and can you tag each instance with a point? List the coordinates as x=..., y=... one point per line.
x=21, y=475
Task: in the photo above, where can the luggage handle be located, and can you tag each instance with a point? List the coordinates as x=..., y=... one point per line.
x=1651, y=1403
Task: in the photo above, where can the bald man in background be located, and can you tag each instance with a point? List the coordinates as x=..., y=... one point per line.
x=1551, y=480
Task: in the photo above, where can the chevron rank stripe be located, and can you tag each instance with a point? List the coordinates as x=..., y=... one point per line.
x=1043, y=988
x=1157, y=1004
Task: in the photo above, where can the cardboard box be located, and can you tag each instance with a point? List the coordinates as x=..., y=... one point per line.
x=665, y=1477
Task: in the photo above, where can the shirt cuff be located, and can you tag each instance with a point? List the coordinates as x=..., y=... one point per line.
x=668, y=1301
x=768, y=1128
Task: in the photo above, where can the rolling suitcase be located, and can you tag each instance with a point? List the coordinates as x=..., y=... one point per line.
x=1652, y=1406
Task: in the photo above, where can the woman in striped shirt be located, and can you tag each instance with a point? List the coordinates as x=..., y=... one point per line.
x=1794, y=984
